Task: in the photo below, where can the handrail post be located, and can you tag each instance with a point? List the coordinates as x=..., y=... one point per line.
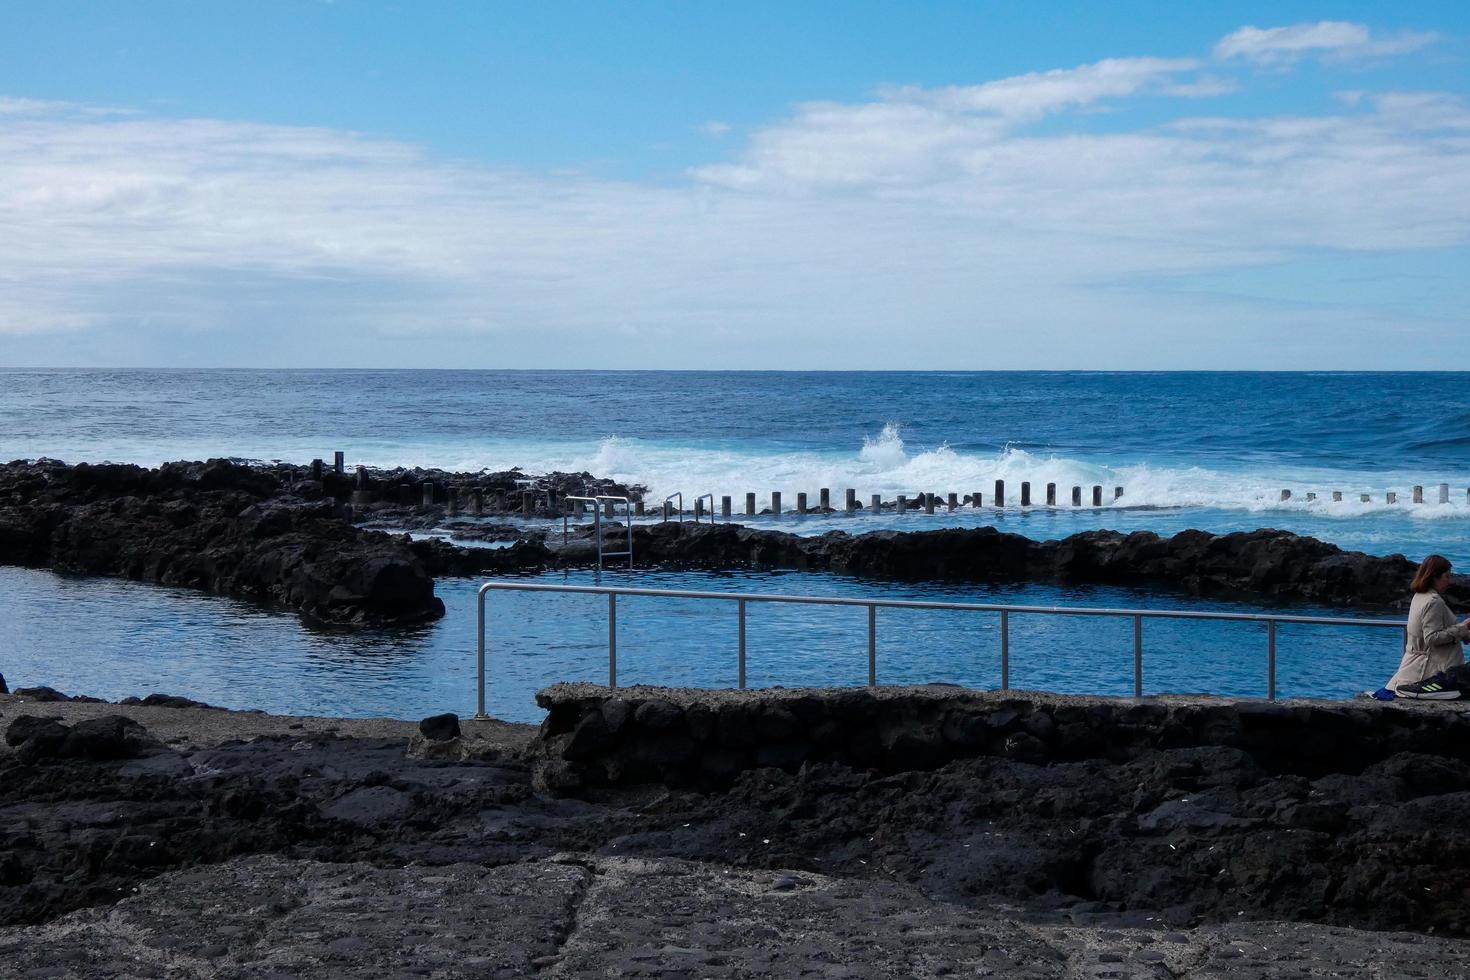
x=1005, y=650
x=1270, y=660
x=597, y=529
x=480, y=658
x=872, y=646
x=612, y=639
x=741, y=604
x=1138, y=656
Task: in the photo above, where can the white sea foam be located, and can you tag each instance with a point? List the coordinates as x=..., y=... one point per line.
x=885, y=465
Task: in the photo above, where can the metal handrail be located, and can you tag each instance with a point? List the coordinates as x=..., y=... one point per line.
x=596, y=514
x=627, y=522
x=873, y=605
x=697, y=502
x=680, y=495
x=597, y=503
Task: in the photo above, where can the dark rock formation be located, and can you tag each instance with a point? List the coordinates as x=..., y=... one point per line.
x=1259, y=564
x=167, y=701
x=230, y=529
x=707, y=739
x=272, y=535
x=1089, y=810
x=109, y=737
x=440, y=728
x=42, y=694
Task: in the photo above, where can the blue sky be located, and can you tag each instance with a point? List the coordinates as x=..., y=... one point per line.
x=856, y=185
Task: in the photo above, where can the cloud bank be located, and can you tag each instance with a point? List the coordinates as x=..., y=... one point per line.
x=985, y=225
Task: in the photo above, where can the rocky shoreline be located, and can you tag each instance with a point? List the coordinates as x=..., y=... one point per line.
x=166, y=839
x=279, y=535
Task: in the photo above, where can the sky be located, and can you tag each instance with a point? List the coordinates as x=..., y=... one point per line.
x=980, y=185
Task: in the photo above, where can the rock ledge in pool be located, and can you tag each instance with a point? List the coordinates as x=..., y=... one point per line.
x=242, y=531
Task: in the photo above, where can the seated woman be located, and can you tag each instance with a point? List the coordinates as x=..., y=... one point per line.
x=1432, y=642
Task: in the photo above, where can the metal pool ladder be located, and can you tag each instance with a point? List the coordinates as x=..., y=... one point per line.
x=597, y=505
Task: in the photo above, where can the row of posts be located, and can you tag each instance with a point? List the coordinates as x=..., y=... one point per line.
x=928, y=502
x=1391, y=497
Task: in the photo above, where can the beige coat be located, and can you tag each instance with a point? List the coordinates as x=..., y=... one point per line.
x=1432, y=640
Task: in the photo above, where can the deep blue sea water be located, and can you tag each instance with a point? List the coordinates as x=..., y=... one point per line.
x=1203, y=450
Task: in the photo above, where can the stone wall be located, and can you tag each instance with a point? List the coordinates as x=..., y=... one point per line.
x=594, y=736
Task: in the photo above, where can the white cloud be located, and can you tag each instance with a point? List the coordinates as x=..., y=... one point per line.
x=1330, y=39
x=1032, y=96
x=923, y=226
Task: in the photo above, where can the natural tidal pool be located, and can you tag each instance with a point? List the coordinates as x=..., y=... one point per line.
x=112, y=638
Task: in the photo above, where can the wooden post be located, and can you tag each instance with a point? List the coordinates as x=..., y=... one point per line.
x=1096, y=495
x=1311, y=496
x=362, y=479
x=698, y=509
x=479, y=502
x=725, y=507
x=1393, y=498
x=453, y=501
x=776, y=502
x=1337, y=496
x=1418, y=495
x=638, y=507
x=878, y=502
x=849, y=500
x=1366, y=498
x=1286, y=495
x=316, y=470
x=526, y=502
x=1000, y=493
x=608, y=509
x=928, y=503
x=1025, y=493
x=902, y=504
x=1076, y=496
x=666, y=510
x=339, y=462
x=954, y=501
x=825, y=496
x=750, y=505
x=1117, y=493
x=801, y=503
x=428, y=489
x=977, y=499
x=1444, y=493
x=1051, y=494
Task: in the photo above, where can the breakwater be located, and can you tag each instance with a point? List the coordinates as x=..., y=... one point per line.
x=277, y=535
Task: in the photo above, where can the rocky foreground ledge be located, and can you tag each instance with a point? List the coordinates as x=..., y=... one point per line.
x=281, y=536
x=178, y=841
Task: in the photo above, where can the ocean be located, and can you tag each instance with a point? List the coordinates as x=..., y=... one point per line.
x=1205, y=450
x=1202, y=450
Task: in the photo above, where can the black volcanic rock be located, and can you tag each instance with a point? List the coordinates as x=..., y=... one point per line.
x=219, y=526
x=440, y=728
x=1266, y=563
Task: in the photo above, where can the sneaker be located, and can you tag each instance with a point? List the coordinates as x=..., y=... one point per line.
x=1437, y=688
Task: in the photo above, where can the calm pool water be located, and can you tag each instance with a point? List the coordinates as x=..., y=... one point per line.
x=112, y=639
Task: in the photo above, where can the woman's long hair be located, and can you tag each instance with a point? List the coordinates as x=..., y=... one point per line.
x=1430, y=569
